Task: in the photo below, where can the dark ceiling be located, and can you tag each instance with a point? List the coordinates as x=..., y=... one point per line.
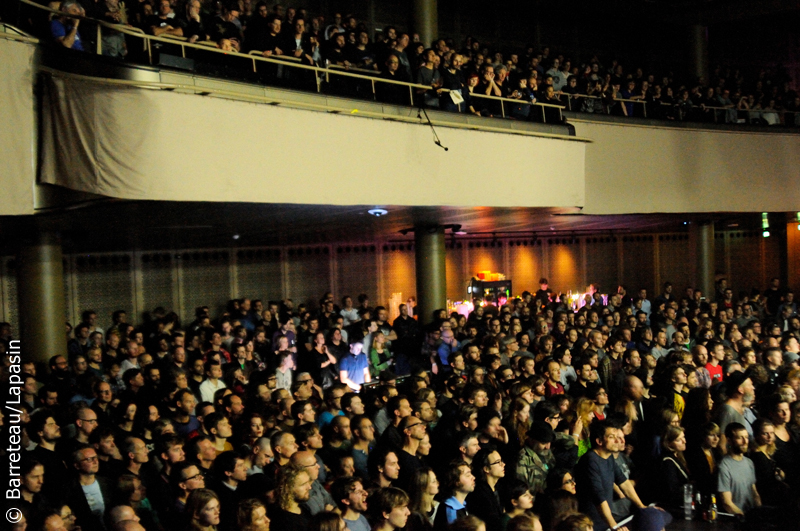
x=107, y=225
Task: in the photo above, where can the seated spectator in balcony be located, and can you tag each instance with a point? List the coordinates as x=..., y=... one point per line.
x=684, y=106
x=559, y=78
x=64, y=29
x=552, y=115
x=335, y=52
x=428, y=74
x=362, y=53
x=399, y=49
x=526, y=96
x=611, y=96
x=630, y=93
x=298, y=43
x=724, y=100
x=473, y=105
x=336, y=27
x=453, y=79
x=164, y=22
x=194, y=28
x=488, y=87
x=265, y=38
x=224, y=26
x=112, y=40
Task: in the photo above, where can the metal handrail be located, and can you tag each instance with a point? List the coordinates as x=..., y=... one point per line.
x=326, y=72
x=274, y=99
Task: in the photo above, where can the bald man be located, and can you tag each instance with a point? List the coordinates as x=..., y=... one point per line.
x=128, y=525
x=320, y=499
x=122, y=513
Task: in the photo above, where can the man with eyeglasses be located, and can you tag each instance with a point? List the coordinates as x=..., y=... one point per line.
x=535, y=459
x=488, y=469
x=85, y=424
x=90, y=501
x=184, y=478
x=413, y=429
x=448, y=346
x=319, y=499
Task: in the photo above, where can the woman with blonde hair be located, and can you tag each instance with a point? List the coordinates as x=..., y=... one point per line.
x=423, y=487
x=674, y=470
x=251, y=515
x=584, y=412
x=770, y=478
x=202, y=510
x=380, y=358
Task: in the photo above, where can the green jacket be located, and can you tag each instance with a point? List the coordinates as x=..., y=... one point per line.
x=532, y=468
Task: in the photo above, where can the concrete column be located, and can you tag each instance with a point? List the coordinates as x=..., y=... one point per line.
x=40, y=287
x=426, y=21
x=698, y=41
x=429, y=254
x=701, y=237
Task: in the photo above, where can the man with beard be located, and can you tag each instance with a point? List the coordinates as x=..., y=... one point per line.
x=737, y=475
x=740, y=391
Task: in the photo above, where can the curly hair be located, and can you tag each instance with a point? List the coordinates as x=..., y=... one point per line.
x=286, y=481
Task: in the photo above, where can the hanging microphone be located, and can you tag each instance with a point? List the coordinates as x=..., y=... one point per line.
x=440, y=145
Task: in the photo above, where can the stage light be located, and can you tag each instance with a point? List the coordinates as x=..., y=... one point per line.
x=378, y=212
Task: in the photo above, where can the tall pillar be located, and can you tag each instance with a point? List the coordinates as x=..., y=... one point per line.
x=426, y=21
x=429, y=254
x=701, y=237
x=698, y=40
x=40, y=288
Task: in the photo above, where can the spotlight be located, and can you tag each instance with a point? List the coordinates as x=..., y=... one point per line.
x=236, y=236
x=378, y=212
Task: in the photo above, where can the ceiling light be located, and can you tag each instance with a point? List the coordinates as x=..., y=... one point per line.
x=378, y=212
x=235, y=236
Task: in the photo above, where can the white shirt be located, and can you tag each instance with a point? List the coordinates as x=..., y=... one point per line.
x=207, y=390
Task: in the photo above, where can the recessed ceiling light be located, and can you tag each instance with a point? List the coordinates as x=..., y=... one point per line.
x=378, y=212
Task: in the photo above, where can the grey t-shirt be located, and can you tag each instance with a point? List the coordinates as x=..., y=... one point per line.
x=738, y=478
x=728, y=414
x=360, y=524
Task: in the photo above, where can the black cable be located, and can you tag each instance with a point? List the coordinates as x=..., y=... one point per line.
x=435, y=136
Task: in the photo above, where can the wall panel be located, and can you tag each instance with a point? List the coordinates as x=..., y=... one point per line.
x=182, y=280
x=157, y=281
x=566, y=267
x=205, y=281
x=310, y=273
x=485, y=256
x=720, y=261
x=399, y=271
x=258, y=274
x=458, y=274
x=357, y=272
x=675, y=262
x=601, y=263
x=104, y=284
x=525, y=265
x=637, y=264
x=745, y=251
